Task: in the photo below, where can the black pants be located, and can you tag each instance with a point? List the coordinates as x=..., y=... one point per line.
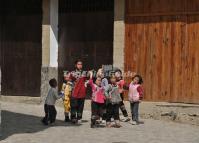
x=104, y=114
x=97, y=111
x=77, y=107
x=134, y=111
x=112, y=111
x=122, y=106
x=50, y=114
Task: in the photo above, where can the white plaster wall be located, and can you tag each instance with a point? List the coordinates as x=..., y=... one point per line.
x=54, y=13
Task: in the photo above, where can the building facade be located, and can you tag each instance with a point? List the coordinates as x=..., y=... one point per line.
x=157, y=39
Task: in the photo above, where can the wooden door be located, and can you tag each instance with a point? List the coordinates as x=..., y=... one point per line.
x=85, y=32
x=20, y=44
x=162, y=45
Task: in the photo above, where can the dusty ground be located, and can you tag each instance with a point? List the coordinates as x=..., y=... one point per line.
x=21, y=124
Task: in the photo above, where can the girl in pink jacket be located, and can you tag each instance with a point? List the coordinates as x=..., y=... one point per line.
x=97, y=99
x=135, y=96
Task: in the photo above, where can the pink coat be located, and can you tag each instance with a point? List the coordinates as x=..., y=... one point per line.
x=135, y=92
x=97, y=92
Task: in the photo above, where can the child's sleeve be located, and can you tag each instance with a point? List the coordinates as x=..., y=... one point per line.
x=107, y=91
x=57, y=96
x=141, y=92
x=90, y=82
x=105, y=84
x=126, y=86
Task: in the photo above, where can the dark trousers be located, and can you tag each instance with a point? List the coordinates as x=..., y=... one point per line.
x=77, y=107
x=112, y=111
x=97, y=111
x=122, y=106
x=50, y=114
x=104, y=114
x=134, y=111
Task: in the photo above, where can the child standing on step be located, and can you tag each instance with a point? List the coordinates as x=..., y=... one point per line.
x=121, y=83
x=135, y=96
x=67, y=91
x=97, y=99
x=105, y=85
x=113, y=100
x=49, y=106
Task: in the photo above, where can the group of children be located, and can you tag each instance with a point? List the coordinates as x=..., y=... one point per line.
x=106, y=98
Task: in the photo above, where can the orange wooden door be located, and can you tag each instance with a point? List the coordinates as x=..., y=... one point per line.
x=161, y=45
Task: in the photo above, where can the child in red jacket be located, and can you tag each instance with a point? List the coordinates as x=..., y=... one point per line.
x=121, y=84
x=79, y=92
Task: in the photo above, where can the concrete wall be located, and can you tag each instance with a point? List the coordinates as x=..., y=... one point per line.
x=49, y=44
x=119, y=34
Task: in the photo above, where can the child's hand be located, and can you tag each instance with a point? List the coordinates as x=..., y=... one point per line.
x=109, y=97
x=61, y=93
x=140, y=101
x=91, y=74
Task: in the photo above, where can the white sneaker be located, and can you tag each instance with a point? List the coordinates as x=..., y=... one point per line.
x=103, y=121
x=79, y=121
x=133, y=123
x=126, y=119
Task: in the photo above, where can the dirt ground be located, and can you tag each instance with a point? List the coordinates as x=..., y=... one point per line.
x=21, y=124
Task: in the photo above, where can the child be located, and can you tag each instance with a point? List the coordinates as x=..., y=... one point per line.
x=98, y=99
x=135, y=96
x=113, y=100
x=79, y=92
x=67, y=90
x=121, y=83
x=105, y=85
x=49, y=106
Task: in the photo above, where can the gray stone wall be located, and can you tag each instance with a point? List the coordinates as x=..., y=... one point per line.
x=47, y=73
x=119, y=34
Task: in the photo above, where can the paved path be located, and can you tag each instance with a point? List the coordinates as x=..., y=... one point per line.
x=21, y=124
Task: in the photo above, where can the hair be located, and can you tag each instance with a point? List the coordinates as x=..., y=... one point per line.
x=140, y=78
x=78, y=60
x=94, y=79
x=53, y=82
x=118, y=70
x=111, y=76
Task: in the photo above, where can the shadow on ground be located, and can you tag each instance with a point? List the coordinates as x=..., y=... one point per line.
x=17, y=123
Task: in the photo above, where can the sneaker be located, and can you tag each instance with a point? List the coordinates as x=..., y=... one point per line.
x=126, y=119
x=79, y=121
x=103, y=122
x=108, y=125
x=133, y=123
x=67, y=119
x=117, y=125
x=44, y=123
x=74, y=121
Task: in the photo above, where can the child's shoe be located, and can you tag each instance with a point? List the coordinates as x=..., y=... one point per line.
x=108, y=125
x=126, y=119
x=103, y=122
x=74, y=121
x=117, y=124
x=67, y=119
x=44, y=122
x=79, y=121
x=133, y=123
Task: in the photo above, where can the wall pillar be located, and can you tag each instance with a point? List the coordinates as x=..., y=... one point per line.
x=119, y=34
x=49, y=44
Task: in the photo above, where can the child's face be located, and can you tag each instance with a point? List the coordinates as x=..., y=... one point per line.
x=136, y=80
x=113, y=80
x=67, y=77
x=118, y=75
x=79, y=65
x=100, y=73
x=98, y=81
